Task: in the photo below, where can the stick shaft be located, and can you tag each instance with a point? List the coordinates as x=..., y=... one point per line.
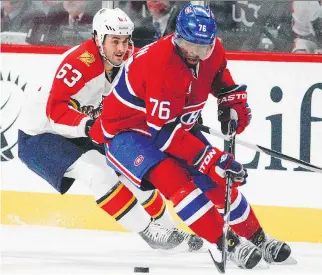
x=229, y=185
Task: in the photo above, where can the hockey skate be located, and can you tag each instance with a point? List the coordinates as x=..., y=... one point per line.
x=159, y=237
x=240, y=251
x=273, y=250
x=192, y=242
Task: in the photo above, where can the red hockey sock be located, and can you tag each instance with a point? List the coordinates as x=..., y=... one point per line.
x=122, y=205
x=191, y=205
x=242, y=217
x=248, y=227
x=118, y=201
x=155, y=205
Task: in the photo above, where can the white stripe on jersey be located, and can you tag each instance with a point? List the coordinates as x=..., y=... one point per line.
x=168, y=142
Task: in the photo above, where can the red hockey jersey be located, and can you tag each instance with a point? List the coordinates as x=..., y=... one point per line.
x=160, y=96
x=77, y=91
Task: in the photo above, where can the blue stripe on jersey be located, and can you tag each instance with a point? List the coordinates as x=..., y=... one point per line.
x=239, y=210
x=161, y=136
x=122, y=90
x=193, y=207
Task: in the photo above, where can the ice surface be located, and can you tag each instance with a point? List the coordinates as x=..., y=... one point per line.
x=48, y=250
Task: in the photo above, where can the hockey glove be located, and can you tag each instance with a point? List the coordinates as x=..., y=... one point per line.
x=216, y=163
x=233, y=110
x=88, y=126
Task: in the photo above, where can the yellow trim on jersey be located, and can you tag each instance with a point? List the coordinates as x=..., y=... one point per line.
x=74, y=104
x=81, y=211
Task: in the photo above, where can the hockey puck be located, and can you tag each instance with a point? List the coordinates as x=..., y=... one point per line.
x=141, y=269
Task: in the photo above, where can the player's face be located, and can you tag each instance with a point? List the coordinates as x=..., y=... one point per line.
x=115, y=47
x=193, y=53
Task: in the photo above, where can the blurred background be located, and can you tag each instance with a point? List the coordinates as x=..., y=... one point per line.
x=251, y=26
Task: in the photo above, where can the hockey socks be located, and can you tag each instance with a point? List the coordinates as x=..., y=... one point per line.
x=191, y=205
x=121, y=204
x=153, y=203
x=242, y=217
x=198, y=212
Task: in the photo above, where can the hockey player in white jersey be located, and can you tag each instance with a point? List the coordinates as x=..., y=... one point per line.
x=307, y=26
x=53, y=137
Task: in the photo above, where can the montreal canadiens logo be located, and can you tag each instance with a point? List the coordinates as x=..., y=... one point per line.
x=138, y=160
x=188, y=10
x=190, y=118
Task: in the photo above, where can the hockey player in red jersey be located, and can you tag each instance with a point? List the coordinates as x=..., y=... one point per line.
x=148, y=122
x=57, y=146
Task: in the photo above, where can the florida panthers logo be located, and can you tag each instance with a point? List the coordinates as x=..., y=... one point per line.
x=189, y=119
x=89, y=110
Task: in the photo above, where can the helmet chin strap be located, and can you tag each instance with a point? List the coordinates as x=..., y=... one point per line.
x=109, y=62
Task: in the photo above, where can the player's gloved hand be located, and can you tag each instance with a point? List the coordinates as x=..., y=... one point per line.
x=233, y=109
x=216, y=163
x=88, y=126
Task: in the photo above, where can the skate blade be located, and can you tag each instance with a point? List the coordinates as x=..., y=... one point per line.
x=182, y=248
x=289, y=261
x=261, y=265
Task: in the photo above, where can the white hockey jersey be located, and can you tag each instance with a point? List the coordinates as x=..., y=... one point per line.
x=73, y=97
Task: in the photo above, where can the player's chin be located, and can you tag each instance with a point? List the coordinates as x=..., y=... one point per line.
x=117, y=60
x=193, y=61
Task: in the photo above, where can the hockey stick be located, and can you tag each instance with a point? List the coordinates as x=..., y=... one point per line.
x=229, y=185
x=262, y=149
x=221, y=266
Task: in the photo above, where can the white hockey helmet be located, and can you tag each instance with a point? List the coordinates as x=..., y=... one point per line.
x=111, y=21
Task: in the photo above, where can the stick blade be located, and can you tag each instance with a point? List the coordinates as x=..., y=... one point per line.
x=219, y=265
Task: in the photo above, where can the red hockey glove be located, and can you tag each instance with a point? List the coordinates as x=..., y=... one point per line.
x=216, y=163
x=232, y=108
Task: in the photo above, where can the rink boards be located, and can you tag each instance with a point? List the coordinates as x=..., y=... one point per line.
x=286, y=100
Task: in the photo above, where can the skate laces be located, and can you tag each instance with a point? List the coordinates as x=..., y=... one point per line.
x=157, y=233
x=242, y=252
x=184, y=234
x=271, y=248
